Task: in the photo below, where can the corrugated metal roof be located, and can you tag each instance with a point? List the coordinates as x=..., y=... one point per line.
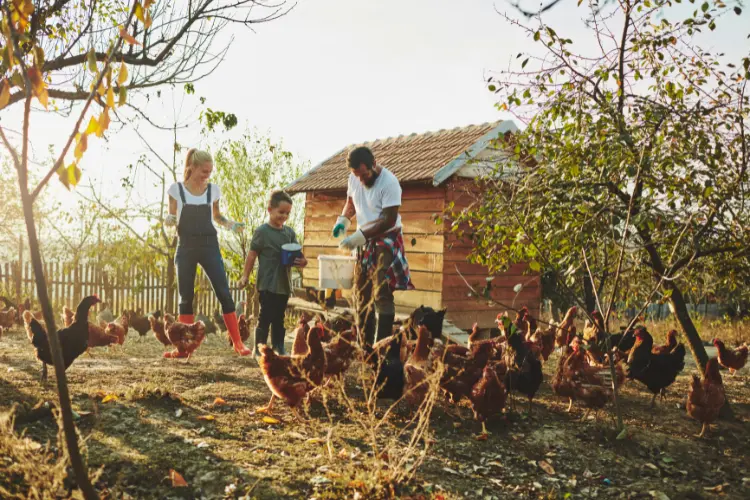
x=412, y=158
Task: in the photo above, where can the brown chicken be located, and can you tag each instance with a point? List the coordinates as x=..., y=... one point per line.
x=118, y=328
x=8, y=318
x=566, y=330
x=705, y=398
x=416, y=369
x=340, y=353
x=593, y=332
x=243, y=324
x=488, y=395
x=733, y=360
x=157, y=326
x=67, y=316
x=99, y=338
x=186, y=338
x=577, y=378
x=291, y=377
x=671, y=344
x=299, y=348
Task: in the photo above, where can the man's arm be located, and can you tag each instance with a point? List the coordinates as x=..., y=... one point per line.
x=349, y=210
x=385, y=223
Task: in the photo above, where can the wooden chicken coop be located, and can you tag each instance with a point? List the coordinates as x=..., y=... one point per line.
x=435, y=169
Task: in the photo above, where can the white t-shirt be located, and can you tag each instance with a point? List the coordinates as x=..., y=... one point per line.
x=370, y=202
x=174, y=192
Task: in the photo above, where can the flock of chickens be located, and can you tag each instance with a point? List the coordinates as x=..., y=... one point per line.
x=414, y=359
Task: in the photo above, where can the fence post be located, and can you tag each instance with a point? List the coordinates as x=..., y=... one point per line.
x=19, y=268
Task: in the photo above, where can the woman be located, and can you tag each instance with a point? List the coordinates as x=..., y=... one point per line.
x=192, y=205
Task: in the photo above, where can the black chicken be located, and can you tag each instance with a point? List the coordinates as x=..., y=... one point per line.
x=138, y=322
x=655, y=371
x=428, y=317
x=390, y=369
x=524, y=373
x=73, y=340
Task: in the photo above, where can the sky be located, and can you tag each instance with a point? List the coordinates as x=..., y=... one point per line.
x=337, y=72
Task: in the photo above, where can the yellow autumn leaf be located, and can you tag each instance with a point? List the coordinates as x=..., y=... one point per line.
x=122, y=75
x=110, y=97
x=207, y=417
x=4, y=93
x=123, y=96
x=38, y=56
x=271, y=420
x=92, y=127
x=38, y=87
x=139, y=13
x=91, y=59
x=219, y=402
x=62, y=173
x=102, y=89
x=81, y=145
x=74, y=176
x=128, y=37
x=21, y=11
x=108, y=397
x=103, y=123
x=177, y=480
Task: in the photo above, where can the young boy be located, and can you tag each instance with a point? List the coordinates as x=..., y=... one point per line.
x=274, y=283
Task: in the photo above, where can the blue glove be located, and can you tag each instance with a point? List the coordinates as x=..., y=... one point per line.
x=341, y=227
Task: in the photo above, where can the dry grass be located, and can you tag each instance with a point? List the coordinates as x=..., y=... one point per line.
x=350, y=446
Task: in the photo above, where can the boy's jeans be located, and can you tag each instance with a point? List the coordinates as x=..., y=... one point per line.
x=272, y=312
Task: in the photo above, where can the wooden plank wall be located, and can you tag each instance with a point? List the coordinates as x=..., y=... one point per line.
x=463, y=310
x=423, y=239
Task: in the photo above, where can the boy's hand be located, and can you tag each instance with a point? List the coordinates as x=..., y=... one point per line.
x=242, y=283
x=300, y=262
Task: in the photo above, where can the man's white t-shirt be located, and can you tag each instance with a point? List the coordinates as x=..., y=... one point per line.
x=370, y=202
x=174, y=192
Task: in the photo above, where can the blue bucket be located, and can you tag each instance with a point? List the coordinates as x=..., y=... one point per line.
x=289, y=252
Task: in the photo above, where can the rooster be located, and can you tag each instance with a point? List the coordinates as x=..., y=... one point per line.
x=186, y=338
x=655, y=371
x=706, y=397
x=733, y=360
x=73, y=339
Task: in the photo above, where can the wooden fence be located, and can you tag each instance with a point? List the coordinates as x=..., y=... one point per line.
x=130, y=288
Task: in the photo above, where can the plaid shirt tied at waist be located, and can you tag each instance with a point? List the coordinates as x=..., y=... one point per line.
x=398, y=274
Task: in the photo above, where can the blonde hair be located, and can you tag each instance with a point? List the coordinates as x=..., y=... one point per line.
x=194, y=158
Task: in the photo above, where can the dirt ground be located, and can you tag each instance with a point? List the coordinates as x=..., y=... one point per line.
x=152, y=426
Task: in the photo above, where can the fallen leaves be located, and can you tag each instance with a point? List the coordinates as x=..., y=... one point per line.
x=271, y=420
x=219, y=402
x=207, y=418
x=546, y=467
x=177, y=480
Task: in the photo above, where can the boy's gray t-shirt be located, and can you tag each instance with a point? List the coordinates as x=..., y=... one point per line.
x=266, y=242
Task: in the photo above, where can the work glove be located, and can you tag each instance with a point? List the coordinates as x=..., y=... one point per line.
x=356, y=240
x=341, y=227
x=170, y=220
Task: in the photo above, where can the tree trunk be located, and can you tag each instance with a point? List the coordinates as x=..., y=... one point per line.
x=588, y=295
x=688, y=327
x=71, y=438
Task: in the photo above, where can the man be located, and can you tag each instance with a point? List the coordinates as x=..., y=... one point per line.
x=374, y=196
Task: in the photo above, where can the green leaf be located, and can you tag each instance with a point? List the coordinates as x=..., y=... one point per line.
x=535, y=266
x=704, y=7
x=537, y=36
x=91, y=58
x=524, y=63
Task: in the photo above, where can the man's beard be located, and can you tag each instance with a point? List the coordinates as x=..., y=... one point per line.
x=371, y=181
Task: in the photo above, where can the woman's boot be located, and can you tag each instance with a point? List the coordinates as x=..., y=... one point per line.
x=234, y=333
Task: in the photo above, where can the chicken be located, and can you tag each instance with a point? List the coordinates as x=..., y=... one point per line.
x=67, y=316
x=577, y=378
x=416, y=369
x=291, y=377
x=340, y=352
x=544, y=341
x=463, y=367
x=705, y=398
x=243, y=324
x=99, y=338
x=8, y=318
x=299, y=348
x=219, y=320
x=732, y=360
x=157, y=326
x=138, y=322
x=566, y=330
x=118, y=328
x=655, y=371
x=524, y=369
x=427, y=316
x=210, y=325
x=671, y=343
x=593, y=332
x=186, y=338
x=488, y=395
x=385, y=359
x=105, y=315
x=73, y=340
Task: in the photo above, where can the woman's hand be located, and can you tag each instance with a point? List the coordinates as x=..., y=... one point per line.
x=300, y=262
x=242, y=283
